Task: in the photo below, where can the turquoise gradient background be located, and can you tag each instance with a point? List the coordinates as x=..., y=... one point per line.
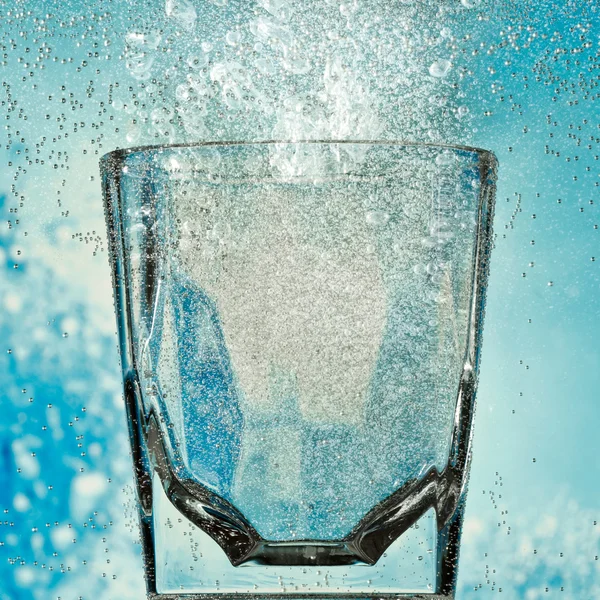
x=68, y=521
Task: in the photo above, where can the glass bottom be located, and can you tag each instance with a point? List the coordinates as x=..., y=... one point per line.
x=190, y=564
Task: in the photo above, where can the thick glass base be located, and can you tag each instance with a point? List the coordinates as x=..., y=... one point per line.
x=189, y=564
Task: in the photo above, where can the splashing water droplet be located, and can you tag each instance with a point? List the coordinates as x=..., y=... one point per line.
x=280, y=9
x=377, y=218
x=183, y=12
x=233, y=37
x=444, y=159
x=440, y=68
x=133, y=135
x=462, y=111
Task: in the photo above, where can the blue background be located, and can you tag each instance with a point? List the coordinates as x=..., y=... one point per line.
x=530, y=83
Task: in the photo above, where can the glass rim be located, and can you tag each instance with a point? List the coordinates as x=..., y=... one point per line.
x=122, y=153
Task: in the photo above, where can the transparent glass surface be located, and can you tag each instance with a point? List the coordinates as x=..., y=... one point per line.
x=302, y=323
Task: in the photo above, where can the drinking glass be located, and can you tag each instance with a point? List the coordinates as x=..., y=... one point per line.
x=300, y=329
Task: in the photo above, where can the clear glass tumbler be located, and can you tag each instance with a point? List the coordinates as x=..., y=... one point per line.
x=300, y=326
